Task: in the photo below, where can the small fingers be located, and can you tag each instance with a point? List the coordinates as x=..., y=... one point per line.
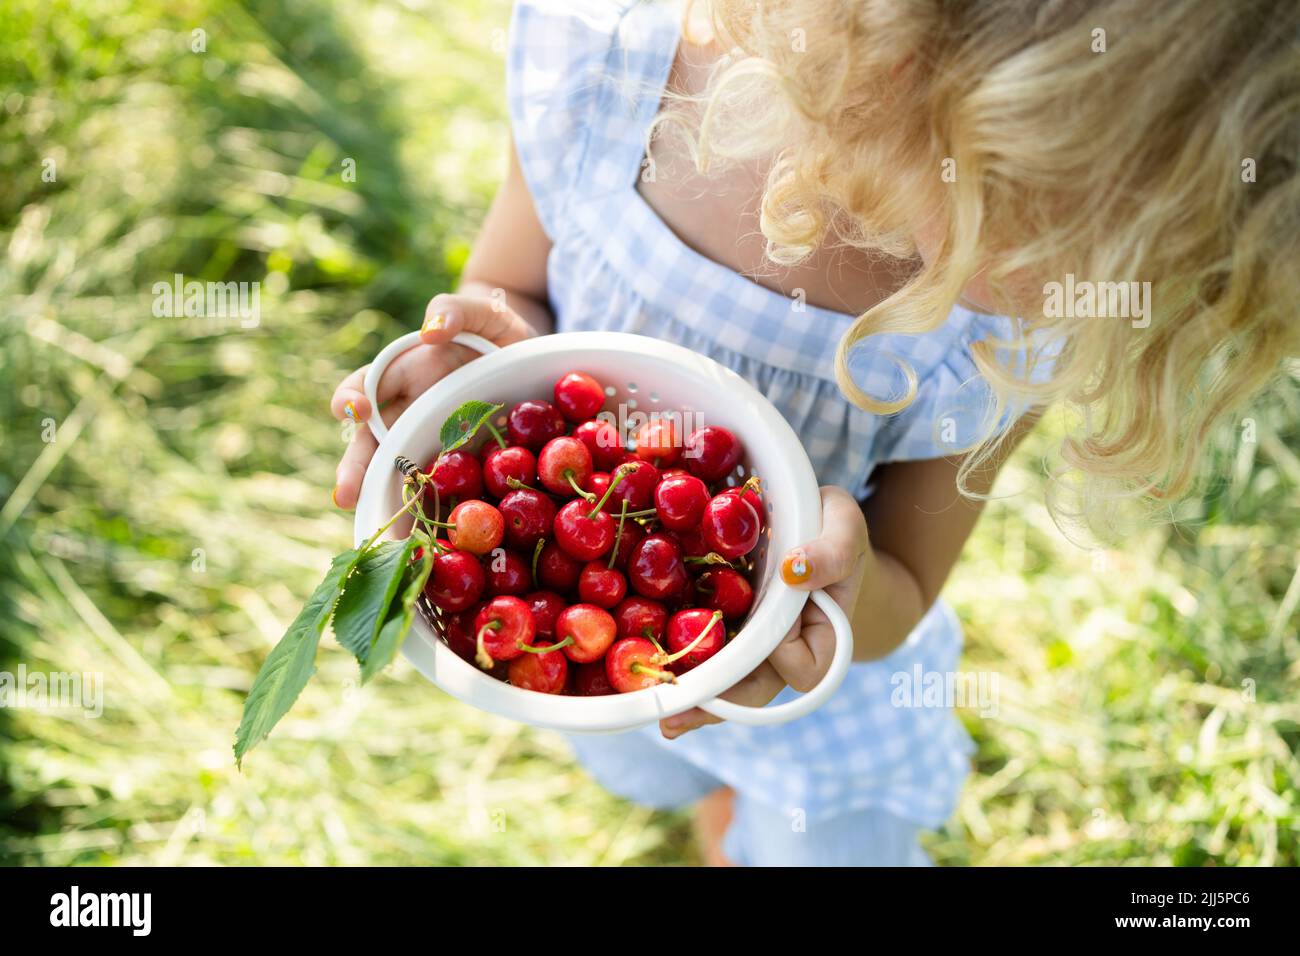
x=349, y=401
x=756, y=689
x=447, y=315
x=834, y=556
x=350, y=404
x=804, y=656
x=347, y=485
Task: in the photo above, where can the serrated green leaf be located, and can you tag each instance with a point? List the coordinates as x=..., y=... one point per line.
x=367, y=593
x=401, y=613
x=292, y=661
x=464, y=423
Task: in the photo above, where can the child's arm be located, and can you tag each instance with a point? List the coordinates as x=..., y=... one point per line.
x=885, y=580
x=502, y=297
x=510, y=255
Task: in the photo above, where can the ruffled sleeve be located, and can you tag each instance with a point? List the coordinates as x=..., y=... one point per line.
x=954, y=406
x=556, y=74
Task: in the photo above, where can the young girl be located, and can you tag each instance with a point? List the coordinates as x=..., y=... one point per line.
x=843, y=201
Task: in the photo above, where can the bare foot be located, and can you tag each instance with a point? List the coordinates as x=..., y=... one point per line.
x=712, y=817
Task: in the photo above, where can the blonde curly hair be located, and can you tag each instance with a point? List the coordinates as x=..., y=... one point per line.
x=1110, y=140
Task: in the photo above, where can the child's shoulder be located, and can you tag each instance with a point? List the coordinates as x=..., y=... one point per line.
x=580, y=74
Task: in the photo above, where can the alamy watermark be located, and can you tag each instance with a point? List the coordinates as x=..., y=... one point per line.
x=628, y=421
x=55, y=691
x=215, y=300
x=974, y=690
x=1084, y=299
x=133, y=911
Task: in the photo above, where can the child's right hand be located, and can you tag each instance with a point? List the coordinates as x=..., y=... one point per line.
x=416, y=370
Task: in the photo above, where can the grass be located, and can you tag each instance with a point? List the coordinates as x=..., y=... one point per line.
x=1148, y=696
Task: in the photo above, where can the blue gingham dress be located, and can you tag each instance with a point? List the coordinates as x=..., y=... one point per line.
x=584, y=79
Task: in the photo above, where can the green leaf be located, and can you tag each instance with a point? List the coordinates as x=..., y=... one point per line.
x=464, y=423
x=291, y=662
x=368, y=592
x=401, y=613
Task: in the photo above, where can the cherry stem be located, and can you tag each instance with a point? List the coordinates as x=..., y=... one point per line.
x=753, y=484
x=618, y=476
x=537, y=553
x=481, y=656
x=711, y=558
x=618, y=537
x=585, y=495
x=660, y=659
x=545, y=650
x=667, y=677
x=495, y=434
x=649, y=634
x=517, y=485
x=420, y=516
x=389, y=523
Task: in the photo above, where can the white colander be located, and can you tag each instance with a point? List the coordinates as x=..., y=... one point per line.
x=645, y=374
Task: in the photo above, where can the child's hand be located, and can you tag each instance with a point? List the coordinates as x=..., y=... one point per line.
x=837, y=561
x=414, y=371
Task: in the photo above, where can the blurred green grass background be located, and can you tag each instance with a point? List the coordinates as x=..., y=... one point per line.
x=1149, y=705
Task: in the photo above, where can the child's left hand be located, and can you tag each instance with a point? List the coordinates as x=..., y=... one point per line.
x=838, y=562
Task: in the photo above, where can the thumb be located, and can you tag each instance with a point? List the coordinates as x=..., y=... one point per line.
x=448, y=314
x=834, y=556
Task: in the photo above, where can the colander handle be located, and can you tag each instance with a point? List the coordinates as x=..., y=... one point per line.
x=385, y=359
x=840, y=661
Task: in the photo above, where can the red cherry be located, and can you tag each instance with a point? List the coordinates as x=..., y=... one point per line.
x=584, y=535
x=591, y=680
x=455, y=581
x=458, y=629
x=579, y=396
x=564, y=463
x=657, y=442
x=712, y=452
x=597, y=484
x=455, y=475
x=588, y=631
x=730, y=526
x=641, y=617
x=694, y=636
x=502, y=629
x=747, y=491
x=656, y=569
x=478, y=527
x=631, y=665
x=680, y=501
x=532, y=424
x=529, y=515
x=601, y=439
x=508, y=573
x=637, y=487
x=546, y=607
x=557, y=570
x=725, y=590
x=502, y=464
x=672, y=473
x=545, y=672
x=692, y=542
x=601, y=586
